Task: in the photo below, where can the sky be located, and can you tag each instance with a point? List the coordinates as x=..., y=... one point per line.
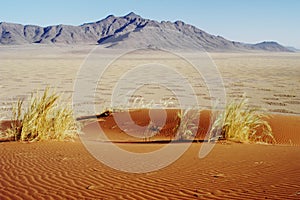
x=249, y=21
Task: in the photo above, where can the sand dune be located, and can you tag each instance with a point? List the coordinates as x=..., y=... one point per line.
x=56, y=170
x=66, y=170
x=284, y=127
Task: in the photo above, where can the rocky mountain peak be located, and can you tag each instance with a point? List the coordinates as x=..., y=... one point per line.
x=129, y=31
x=132, y=15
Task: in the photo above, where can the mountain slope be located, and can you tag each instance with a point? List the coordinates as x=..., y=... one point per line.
x=130, y=31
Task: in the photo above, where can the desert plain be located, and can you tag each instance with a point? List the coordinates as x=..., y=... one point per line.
x=67, y=170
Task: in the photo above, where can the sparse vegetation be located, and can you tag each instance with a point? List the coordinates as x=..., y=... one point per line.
x=150, y=131
x=44, y=118
x=187, y=127
x=240, y=123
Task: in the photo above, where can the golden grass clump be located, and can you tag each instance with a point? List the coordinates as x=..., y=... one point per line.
x=188, y=125
x=45, y=118
x=240, y=123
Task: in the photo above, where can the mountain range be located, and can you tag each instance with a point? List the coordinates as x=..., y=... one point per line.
x=129, y=31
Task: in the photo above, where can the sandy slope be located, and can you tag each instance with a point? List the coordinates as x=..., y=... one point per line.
x=66, y=170
x=117, y=126
x=56, y=170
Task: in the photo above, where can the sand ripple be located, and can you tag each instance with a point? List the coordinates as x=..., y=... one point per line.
x=58, y=170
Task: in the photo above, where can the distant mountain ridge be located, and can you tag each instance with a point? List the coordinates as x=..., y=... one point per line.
x=129, y=31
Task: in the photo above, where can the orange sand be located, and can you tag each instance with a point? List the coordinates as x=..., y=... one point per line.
x=285, y=128
x=66, y=170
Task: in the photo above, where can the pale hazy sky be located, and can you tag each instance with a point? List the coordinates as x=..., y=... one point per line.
x=240, y=20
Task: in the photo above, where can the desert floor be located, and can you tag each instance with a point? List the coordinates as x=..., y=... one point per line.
x=67, y=170
x=270, y=80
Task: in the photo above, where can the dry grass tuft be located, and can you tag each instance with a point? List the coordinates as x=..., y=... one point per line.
x=240, y=123
x=45, y=118
x=188, y=124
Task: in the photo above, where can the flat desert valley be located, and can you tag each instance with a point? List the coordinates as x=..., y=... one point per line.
x=67, y=170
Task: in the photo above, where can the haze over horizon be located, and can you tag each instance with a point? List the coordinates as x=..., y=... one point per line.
x=246, y=21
